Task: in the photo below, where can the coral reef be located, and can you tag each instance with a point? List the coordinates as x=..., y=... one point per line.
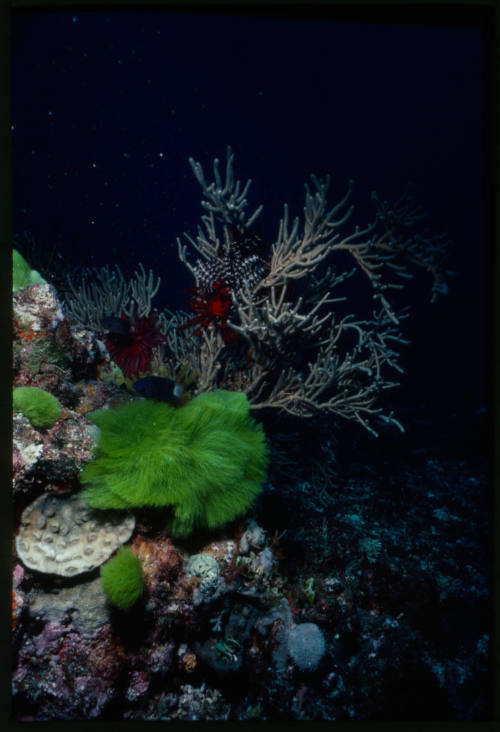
x=394, y=644
x=354, y=586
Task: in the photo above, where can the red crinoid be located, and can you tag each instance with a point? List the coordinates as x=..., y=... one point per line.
x=211, y=307
x=131, y=347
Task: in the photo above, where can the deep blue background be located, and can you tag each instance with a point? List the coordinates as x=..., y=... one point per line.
x=107, y=108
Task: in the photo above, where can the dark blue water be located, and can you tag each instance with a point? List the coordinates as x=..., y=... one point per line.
x=107, y=108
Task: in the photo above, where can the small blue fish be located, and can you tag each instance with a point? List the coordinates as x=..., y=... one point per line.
x=159, y=388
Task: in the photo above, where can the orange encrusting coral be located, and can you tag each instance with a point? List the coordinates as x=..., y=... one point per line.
x=29, y=335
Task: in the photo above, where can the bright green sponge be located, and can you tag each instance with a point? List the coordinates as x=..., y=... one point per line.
x=22, y=274
x=41, y=408
x=207, y=459
x=122, y=578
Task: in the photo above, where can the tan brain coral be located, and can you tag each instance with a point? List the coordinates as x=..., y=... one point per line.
x=65, y=536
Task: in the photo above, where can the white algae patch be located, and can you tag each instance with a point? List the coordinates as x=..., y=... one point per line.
x=86, y=603
x=206, y=568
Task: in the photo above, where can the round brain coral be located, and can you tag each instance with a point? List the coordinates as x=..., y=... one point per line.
x=207, y=459
x=306, y=645
x=122, y=578
x=41, y=408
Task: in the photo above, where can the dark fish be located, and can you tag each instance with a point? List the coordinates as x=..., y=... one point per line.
x=115, y=325
x=159, y=387
x=117, y=331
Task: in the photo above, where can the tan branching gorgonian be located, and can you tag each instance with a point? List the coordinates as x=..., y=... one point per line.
x=304, y=358
x=102, y=292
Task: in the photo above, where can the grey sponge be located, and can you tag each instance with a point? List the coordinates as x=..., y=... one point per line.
x=306, y=646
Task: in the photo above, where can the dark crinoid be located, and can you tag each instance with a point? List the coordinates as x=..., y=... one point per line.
x=211, y=306
x=220, y=280
x=130, y=341
x=241, y=266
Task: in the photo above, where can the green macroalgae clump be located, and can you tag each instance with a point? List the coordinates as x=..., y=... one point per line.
x=22, y=274
x=206, y=459
x=122, y=578
x=40, y=407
